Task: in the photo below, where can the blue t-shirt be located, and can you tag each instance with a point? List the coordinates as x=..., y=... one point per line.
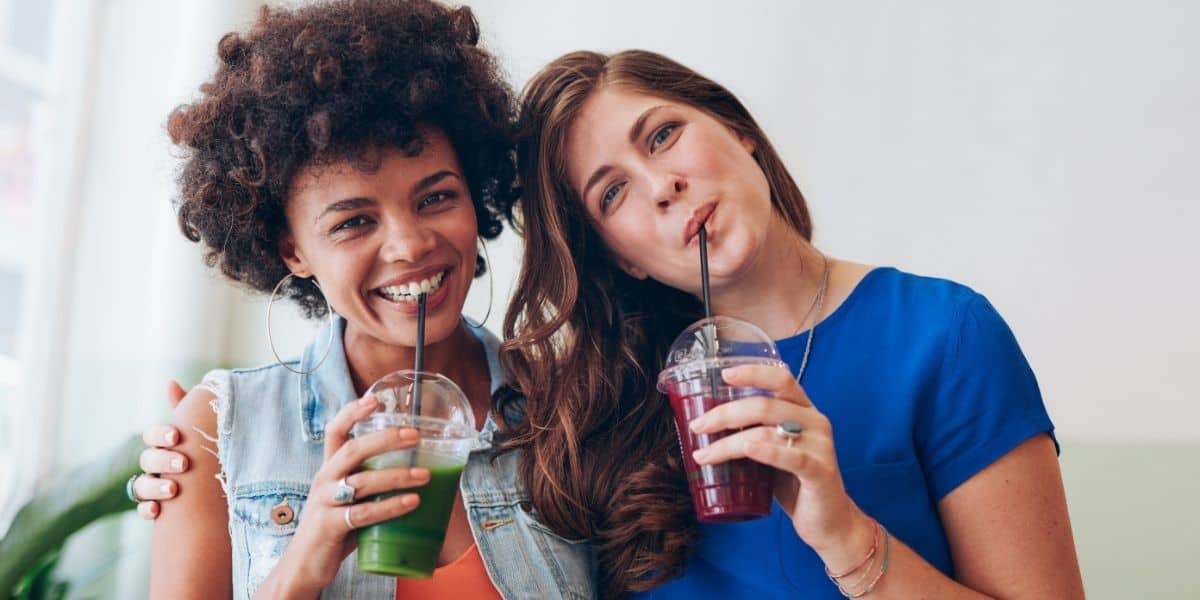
x=925, y=386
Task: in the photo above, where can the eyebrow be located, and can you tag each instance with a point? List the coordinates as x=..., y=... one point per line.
x=635, y=133
x=433, y=180
x=344, y=205
x=357, y=202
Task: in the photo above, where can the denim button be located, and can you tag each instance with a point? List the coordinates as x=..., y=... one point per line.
x=282, y=514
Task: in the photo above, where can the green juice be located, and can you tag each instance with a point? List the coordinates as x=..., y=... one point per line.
x=408, y=546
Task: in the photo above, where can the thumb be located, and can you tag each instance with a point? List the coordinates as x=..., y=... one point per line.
x=175, y=393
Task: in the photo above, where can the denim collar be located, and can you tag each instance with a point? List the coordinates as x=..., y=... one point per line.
x=324, y=390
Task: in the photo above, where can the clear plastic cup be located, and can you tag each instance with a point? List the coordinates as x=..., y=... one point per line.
x=408, y=546
x=737, y=490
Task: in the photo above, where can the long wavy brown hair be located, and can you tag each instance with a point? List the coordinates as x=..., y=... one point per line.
x=585, y=340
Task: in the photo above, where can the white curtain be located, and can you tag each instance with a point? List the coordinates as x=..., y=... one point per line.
x=119, y=301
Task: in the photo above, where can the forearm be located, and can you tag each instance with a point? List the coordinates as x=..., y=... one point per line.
x=895, y=571
x=867, y=558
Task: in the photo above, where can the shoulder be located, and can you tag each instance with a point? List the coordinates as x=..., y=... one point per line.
x=198, y=409
x=936, y=294
x=196, y=419
x=887, y=296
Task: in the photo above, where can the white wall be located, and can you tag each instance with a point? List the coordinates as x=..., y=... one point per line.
x=1044, y=153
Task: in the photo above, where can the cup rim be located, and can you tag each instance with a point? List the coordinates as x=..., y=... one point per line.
x=697, y=369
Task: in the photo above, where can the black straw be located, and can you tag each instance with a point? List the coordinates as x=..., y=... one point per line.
x=714, y=377
x=704, y=271
x=419, y=359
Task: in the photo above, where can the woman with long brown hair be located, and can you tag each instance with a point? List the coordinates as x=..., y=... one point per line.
x=925, y=465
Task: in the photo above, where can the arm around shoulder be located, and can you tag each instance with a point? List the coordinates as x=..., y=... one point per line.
x=191, y=555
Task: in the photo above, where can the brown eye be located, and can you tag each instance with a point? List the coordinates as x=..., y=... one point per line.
x=434, y=199
x=351, y=223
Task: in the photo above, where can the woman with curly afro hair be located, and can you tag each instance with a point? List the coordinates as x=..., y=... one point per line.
x=348, y=155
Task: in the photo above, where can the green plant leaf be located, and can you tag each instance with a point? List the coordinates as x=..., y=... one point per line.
x=36, y=581
x=64, y=506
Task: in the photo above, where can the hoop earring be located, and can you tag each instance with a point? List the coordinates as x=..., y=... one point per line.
x=271, y=339
x=487, y=264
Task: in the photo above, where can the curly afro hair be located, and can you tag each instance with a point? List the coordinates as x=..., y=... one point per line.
x=327, y=83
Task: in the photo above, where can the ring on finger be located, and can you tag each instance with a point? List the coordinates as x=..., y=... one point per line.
x=131, y=489
x=790, y=431
x=344, y=492
x=349, y=522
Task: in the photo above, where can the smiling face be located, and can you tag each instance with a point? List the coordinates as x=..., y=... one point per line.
x=373, y=239
x=652, y=172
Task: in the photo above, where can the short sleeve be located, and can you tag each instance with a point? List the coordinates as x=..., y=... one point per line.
x=986, y=401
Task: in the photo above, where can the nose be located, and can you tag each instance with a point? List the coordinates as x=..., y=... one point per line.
x=408, y=240
x=667, y=189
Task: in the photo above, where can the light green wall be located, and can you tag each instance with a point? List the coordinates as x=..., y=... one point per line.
x=1134, y=509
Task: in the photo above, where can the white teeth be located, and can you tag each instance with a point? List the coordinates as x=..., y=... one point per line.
x=408, y=292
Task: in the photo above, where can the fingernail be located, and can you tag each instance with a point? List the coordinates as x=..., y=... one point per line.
x=418, y=473
x=409, y=435
x=409, y=500
x=696, y=425
x=699, y=455
x=177, y=464
x=366, y=400
x=171, y=437
x=166, y=487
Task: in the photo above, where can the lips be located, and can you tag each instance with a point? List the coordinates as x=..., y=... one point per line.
x=699, y=218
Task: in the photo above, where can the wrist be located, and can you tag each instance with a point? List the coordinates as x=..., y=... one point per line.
x=846, y=550
x=292, y=581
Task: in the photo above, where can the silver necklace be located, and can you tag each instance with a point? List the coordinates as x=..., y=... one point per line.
x=818, y=300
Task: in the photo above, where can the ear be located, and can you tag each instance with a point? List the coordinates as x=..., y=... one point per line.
x=631, y=269
x=293, y=256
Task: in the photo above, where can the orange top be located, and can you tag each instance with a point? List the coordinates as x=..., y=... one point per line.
x=466, y=577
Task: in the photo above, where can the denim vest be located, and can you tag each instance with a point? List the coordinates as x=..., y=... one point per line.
x=271, y=430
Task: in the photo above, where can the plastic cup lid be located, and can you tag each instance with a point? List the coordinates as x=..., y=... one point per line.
x=444, y=406
x=716, y=343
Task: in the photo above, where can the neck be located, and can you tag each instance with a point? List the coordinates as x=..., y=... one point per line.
x=370, y=358
x=777, y=288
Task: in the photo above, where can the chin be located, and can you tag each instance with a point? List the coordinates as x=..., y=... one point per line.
x=737, y=256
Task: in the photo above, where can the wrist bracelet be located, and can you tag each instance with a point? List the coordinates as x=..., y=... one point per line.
x=887, y=555
x=870, y=553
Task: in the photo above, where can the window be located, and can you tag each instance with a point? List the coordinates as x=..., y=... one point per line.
x=24, y=60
